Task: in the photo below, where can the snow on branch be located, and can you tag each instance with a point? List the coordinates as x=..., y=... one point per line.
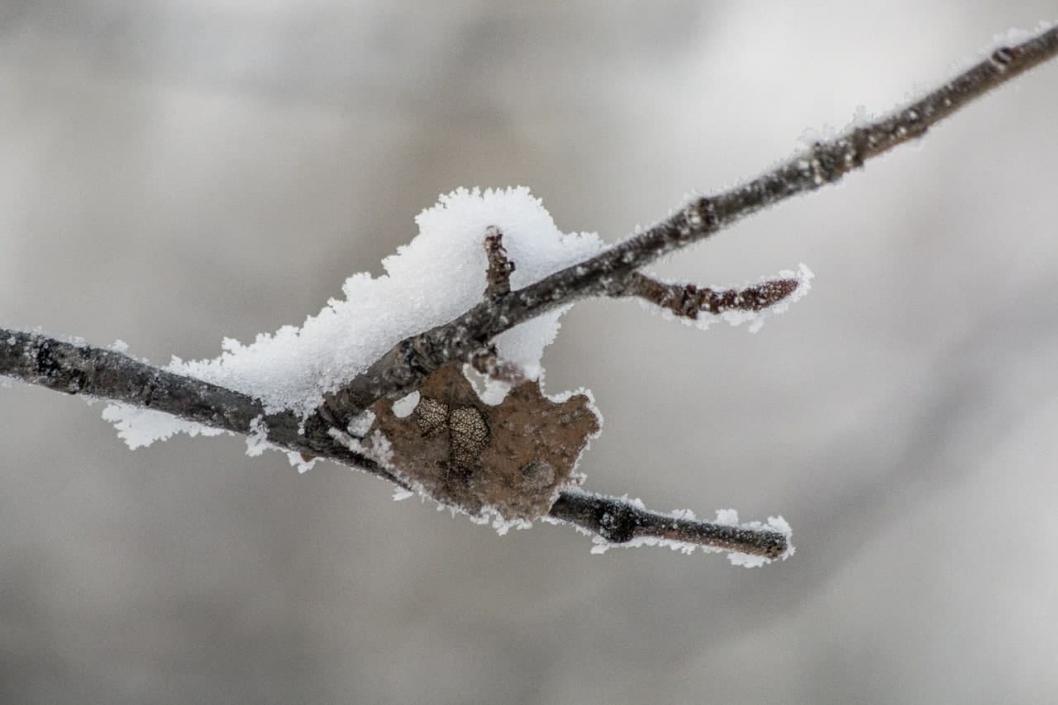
x=402, y=368
x=78, y=369
x=379, y=380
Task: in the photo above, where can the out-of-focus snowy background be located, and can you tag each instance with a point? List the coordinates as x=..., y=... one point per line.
x=172, y=173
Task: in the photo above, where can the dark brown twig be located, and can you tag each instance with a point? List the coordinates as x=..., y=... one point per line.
x=401, y=369
x=104, y=374
x=618, y=521
x=688, y=300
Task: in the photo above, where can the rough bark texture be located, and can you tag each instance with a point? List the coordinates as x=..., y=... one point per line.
x=78, y=369
x=688, y=300
x=620, y=522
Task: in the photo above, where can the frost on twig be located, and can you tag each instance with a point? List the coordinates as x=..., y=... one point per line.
x=79, y=369
x=689, y=300
x=623, y=522
x=304, y=389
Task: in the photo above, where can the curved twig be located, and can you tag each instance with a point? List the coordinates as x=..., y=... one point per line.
x=78, y=369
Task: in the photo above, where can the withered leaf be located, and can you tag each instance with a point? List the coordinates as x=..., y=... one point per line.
x=512, y=457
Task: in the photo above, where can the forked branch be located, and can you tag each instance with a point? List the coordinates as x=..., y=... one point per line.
x=104, y=374
x=402, y=369
x=77, y=369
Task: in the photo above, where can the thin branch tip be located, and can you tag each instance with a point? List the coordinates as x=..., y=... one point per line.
x=688, y=300
x=618, y=521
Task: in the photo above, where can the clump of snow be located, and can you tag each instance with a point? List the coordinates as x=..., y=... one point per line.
x=257, y=439
x=141, y=427
x=403, y=407
x=300, y=463
x=490, y=516
x=431, y=280
x=361, y=424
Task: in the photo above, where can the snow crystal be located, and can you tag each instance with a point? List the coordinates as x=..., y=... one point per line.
x=257, y=439
x=298, y=461
x=403, y=407
x=140, y=428
x=431, y=280
x=361, y=424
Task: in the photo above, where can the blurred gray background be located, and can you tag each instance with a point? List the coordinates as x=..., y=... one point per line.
x=176, y=172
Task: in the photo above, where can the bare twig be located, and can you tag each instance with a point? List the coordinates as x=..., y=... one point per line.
x=619, y=521
x=401, y=369
x=687, y=300
x=104, y=374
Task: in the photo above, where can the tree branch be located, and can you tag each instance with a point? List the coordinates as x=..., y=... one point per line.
x=401, y=369
x=620, y=521
x=104, y=374
x=77, y=369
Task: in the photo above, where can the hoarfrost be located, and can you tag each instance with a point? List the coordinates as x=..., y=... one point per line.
x=257, y=439
x=361, y=424
x=728, y=517
x=140, y=428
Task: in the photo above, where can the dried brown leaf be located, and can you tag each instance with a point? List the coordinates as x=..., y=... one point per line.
x=512, y=457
